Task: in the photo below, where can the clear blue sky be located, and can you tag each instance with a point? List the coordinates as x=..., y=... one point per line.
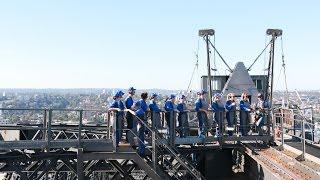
x=107, y=44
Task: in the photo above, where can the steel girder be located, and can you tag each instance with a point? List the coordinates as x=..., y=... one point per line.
x=63, y=165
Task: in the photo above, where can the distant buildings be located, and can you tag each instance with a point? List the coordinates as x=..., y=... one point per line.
x=101, y=99
x=2, y=120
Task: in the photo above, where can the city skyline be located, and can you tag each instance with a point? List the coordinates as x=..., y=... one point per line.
x=76, y=44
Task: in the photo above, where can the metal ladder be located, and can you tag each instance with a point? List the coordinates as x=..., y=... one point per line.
x=174, y=164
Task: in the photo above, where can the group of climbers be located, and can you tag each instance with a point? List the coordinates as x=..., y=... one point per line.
x=135, y=113
x=245, y=109
x=229, y=110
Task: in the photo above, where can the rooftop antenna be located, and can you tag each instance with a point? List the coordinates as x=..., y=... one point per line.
x=205, y=33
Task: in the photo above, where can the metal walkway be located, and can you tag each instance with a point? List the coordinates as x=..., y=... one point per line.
x=79, y=151
x=87, y=151
x=277, y=165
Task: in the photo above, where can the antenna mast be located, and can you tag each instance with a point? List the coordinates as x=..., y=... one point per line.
x=205, y=33
x=274, y=33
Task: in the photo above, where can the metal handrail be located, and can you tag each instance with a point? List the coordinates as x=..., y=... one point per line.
x=53, y=109
x=304, y=122
x=170, y=150
x=223, y=123
x=47, y=126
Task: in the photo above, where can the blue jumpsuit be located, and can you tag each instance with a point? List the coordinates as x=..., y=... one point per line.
x=202, y=116
x=219, y=110
x=261, y=114
x=169, y=107
x=129, y=102
x=155, y=114
x=230, y=115
x=183, y=120
x=142, y=107
x=244, y=116
x=118, y=122
x=131, y=124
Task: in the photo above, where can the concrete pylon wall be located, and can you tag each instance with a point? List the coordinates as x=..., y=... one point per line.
x=240, y=81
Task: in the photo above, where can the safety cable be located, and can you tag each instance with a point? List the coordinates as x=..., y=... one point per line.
x=220, y=56
x=192, y=75
x=286, y=94
x=195, y=67
x=214, y=56
x=278, y=79
x=284, y=68
x=265, y=55
x=259, y=56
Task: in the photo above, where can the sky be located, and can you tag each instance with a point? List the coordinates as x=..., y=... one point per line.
x=151, y=44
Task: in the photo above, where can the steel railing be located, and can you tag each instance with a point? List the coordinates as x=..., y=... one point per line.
x=156, y=139
x=288, y=123
x=47, y=127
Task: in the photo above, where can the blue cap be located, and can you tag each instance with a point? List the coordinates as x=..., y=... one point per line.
x=217, y=95
x=119, y=94
x=172, y=96
x=131, y=89
x=154, y=95
x=202, y=92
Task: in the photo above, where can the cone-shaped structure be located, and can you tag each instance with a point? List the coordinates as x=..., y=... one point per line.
x=240, y=81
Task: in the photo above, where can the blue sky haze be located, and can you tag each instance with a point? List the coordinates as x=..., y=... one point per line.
x=149, y=44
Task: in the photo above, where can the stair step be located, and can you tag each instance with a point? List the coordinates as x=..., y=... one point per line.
x=125, y=147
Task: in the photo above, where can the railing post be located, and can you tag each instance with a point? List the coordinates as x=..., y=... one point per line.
x=162, y=118
x=80, y=173
x=220, y=127
x=80, y=128
x=114, y=136
x=49, y=133
x=294, y=126
x=44, y=131
x=173, y=128
x=303, y=141
x=153, y=124
x=273, y=124
x=154, y=154
x=108, y=125
x=313, y=126
x=282, y=131
x=221, y=123
x=45, y=122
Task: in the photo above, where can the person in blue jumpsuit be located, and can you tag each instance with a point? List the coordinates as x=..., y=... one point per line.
x=245, y=109
x=142, y=108
x=155, y=111
x=261, y=112
x=129, y=116
x=218, y=107
x=202, y=113
x=183, y=117
x=231, y=112
x=118, y=107
x=169, y=107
